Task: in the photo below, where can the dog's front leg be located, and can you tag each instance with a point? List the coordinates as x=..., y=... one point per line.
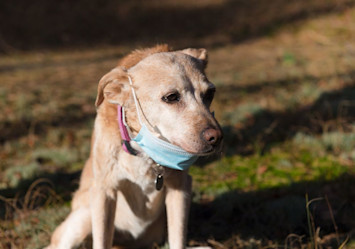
x=177, y=207
x=103, y=207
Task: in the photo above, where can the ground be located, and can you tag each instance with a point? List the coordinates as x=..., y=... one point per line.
x=285, y=99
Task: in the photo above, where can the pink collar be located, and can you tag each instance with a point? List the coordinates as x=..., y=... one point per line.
x=124, y=132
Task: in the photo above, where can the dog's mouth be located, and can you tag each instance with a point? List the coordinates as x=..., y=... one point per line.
x=202, y=149
x=201, y=146
x=207, y=152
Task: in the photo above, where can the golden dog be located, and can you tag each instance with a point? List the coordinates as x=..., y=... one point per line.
x=125, y=197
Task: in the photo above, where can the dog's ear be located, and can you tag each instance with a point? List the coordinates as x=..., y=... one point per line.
x=198, y=53
x=114, y=87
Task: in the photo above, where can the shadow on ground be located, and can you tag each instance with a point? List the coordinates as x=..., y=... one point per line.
x=270, y=214
x=273, y=214
x=25, y=25
x=47, y=186
x=333, y=110
x=69, y=116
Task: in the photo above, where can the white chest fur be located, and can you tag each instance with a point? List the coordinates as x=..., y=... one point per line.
x=138, y=202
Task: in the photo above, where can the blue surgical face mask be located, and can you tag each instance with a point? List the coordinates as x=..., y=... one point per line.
x=162, y=152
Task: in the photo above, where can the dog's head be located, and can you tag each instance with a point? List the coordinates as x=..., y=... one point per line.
x=174, y=95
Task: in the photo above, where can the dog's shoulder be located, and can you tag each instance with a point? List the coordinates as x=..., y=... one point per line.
x=136, y=56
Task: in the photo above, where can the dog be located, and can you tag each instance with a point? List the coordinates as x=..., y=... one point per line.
x=153, y=121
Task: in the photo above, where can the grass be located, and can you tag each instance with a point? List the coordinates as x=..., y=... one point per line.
x=285, y=99
x=304, y=158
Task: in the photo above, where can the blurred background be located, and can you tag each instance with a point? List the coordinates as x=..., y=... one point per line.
x=285, y=77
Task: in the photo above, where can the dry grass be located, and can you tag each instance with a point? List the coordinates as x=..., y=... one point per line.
x=285, y=79
x=26, y=217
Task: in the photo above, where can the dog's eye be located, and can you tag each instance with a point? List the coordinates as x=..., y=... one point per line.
x=208, y=97
x=171, y=98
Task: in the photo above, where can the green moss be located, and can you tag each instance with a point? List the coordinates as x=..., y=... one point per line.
x=281, y=167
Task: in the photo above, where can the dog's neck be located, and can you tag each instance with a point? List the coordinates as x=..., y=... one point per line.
x=125, y=136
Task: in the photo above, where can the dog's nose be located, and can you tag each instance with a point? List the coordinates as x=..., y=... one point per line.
x=212, y=136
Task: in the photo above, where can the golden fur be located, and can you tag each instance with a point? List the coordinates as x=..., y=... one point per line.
x=117, y=201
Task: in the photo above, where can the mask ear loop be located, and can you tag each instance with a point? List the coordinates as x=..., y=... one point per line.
x=159, y=170
x=135, y=100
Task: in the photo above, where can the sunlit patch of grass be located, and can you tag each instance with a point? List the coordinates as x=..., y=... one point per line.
x=56, y=149
x=59, y=157
x=337, y=143
x=260, y=172
x=31, y=163
x=241, y=113
x=305, y=158
x=292, y=68
x=15, y=174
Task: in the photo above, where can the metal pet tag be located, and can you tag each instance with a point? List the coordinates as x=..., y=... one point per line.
x=159, y=182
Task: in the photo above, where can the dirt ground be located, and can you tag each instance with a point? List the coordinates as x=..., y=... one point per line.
x=285, y=77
